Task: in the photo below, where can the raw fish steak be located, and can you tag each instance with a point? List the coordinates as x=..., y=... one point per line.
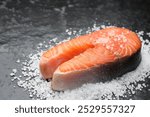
x=99, y=56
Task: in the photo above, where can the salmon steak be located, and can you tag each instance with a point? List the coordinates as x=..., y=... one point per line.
x=95, y=57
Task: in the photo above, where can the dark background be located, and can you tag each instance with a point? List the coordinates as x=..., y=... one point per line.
x=25, y=23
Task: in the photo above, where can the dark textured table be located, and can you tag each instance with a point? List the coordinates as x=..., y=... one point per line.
x=24, y=24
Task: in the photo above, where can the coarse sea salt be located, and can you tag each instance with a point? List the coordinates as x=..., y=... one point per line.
x=121, y=87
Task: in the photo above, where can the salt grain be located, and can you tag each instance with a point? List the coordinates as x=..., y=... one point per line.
x=54, y=39
x=15, y=78
x=148, y=34
x=40, y=44
x=107, y=46
x=12, y=74
x=18, y=61
x=103, y=26
x=121, y=46
x=69, y=33
x=146, y=41
x=14, y=71
x=124, y=40
x=141, y=33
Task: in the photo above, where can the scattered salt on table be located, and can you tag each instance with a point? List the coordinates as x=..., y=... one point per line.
x=119, y=87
